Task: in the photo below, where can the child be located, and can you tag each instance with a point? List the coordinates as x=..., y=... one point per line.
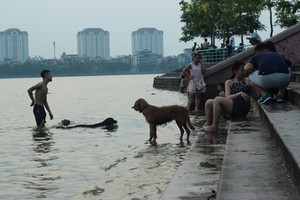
x=221, y=89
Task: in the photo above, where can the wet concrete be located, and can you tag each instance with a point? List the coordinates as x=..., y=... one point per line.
x=198, y=175
x=284, y=125
x=294, y=92
x=261, y=160
x=252, y=166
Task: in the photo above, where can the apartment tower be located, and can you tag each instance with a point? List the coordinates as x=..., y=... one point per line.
x=147, y=39
x=14, y=45
x=93, y=43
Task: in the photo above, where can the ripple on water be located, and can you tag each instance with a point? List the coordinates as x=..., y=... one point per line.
x=88, y=163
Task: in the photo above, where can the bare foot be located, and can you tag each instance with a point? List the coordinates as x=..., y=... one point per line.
x=202, y=129
x=210, y=129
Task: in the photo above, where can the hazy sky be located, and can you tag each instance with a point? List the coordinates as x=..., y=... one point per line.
x=59, y=20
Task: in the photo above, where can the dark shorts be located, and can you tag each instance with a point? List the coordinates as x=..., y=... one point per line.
x=240, y=108
x=39, y=114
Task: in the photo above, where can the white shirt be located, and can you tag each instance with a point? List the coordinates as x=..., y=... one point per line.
x=256, y=36
x=231, y=41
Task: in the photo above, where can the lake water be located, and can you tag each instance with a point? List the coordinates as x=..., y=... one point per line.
x=87, y=163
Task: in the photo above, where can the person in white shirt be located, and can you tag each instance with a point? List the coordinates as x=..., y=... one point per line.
x=230, y=45
x=255, y=38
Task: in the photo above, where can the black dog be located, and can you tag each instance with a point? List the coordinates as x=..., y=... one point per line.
x=108, y=122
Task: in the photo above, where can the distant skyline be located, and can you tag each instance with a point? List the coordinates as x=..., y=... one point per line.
x=59, y=21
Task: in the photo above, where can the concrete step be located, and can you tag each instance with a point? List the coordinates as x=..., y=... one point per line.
x=296, y=73
x=283, y=121
x=294, y=93
x=252, y=166
x=296, y=76
x=198, y=175
x=296, y=67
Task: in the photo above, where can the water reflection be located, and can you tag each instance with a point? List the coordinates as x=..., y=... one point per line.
x=42, y=141
x=43, y=178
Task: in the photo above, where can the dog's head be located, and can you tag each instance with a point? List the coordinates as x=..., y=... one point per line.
x=110, y=121
x=65, y=122
x=140, y=105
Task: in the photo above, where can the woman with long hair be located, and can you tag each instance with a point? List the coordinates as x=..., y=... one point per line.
x=194, y=73
x=236, y=102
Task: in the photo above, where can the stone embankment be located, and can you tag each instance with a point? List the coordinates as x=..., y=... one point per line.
x=261, y=157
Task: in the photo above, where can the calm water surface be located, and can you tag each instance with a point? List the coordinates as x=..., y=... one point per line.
x=87, y=163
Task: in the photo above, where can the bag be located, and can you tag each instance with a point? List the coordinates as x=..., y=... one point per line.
x=200, y=84
x=183, y=83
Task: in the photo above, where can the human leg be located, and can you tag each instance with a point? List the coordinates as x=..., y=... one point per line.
x=258, y=85
x=40, y=115
x=220, y=104
x=208, y=113
x=197, y=100
x=191, y=98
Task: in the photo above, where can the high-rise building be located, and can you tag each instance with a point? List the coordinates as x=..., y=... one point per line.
x=147, y=39
x=14, y=45
x=93, y=43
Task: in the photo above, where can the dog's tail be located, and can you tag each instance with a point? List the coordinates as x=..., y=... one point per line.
x=190, y=124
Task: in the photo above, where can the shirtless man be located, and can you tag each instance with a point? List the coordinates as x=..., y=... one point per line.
x=39, y=101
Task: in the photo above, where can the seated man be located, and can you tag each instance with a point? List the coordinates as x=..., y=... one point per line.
x=268, y=69
x=255, y=38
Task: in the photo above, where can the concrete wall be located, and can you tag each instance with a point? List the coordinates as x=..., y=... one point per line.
x=287, y=43
x=167, y=82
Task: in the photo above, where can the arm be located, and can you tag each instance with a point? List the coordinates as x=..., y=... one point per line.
x=30, y=92
x=48, y=108
x=228, y=85
x=248, y=68
x=186, y=72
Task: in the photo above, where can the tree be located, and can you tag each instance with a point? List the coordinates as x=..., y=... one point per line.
x=269, y=4
x=287, y=13
x=218, y=18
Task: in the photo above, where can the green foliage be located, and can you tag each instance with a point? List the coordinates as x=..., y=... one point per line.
x=59, y=69
x=207, y=165
x=218, y=18
x=287, y=12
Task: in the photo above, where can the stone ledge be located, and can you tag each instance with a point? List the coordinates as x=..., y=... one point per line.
x=283, y=122
x=252, y=167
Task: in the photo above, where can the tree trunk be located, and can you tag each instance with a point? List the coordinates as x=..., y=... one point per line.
x=271, y=21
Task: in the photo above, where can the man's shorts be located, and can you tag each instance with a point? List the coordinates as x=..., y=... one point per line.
x=275, y=80
x=39, y=113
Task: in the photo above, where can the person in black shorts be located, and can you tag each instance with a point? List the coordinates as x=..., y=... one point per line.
x=39, y=101
x=236, y=102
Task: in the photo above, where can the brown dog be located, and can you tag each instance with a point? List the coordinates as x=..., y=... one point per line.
x=161, y=115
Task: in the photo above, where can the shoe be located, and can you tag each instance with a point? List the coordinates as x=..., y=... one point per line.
x=264, y=99
x=279, y=99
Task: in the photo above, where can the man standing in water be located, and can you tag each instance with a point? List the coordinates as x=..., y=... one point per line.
x=39, y=101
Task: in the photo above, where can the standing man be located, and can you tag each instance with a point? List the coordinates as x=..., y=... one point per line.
x=205, y=44
x=39, y=101
x=194, y=47
x=230, y=45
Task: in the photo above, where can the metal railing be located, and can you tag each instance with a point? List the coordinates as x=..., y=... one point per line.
x=214, y=55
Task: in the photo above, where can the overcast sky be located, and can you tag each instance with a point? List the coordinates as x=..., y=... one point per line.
x=59, y=20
